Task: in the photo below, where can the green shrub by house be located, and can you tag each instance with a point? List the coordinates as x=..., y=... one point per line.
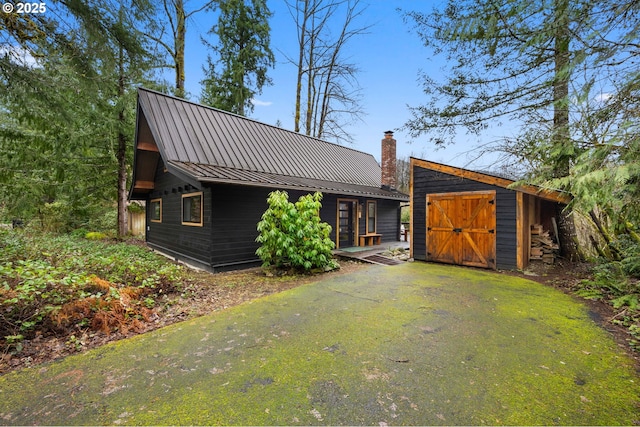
x=292, y=235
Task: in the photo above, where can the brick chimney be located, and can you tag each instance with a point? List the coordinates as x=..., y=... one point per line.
x=388, y=161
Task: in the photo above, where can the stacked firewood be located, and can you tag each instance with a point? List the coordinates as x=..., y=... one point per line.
x=542, y=246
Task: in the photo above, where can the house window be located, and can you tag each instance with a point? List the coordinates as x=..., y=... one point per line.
x=192, y=209
x=371, y=217
x=155, y=210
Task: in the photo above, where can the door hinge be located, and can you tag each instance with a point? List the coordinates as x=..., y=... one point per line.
x=492, y=231
x=492, y=201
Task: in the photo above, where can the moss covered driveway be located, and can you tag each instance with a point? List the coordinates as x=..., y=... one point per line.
x=410, y=344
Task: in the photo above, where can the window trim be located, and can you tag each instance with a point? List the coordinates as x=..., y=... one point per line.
x=151, y=202
x=375, y=217
x=191, y=223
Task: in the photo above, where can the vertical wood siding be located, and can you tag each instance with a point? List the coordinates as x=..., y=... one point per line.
x=186, y=242
x=137, y=223
x=238, y=209
x=236, y=213
x=427, y=181
x=231, y=214
x=388, y=220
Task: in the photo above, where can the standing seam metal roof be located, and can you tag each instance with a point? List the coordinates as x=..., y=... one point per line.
x=190, y=133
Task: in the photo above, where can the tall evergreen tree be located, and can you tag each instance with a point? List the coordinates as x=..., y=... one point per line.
x=68, y=111
x=244, y=54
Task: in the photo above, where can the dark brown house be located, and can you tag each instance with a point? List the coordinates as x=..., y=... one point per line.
x=463, y=217
x=205, y=175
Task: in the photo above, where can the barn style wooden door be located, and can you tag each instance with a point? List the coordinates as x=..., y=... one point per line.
x=461, y=228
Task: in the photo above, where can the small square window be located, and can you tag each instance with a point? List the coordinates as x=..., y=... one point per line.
x=192, y=209
x=155, y=210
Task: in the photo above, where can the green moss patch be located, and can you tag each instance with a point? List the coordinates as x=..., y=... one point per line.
x=409, y=344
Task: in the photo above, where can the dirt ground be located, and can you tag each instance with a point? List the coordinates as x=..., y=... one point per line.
x=205, y=293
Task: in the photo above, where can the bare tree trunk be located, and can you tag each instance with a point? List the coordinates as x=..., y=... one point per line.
x=345, y=34
x=180, y=34
x=302, y=40
x=561, y=135
x=175, y=19
x=311, y=80
x=323, y=81
x=123, y=220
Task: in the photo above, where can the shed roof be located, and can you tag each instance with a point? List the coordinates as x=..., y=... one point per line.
x=211, y=145
x=553, y=195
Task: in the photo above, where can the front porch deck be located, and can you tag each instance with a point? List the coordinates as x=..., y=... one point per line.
x=373, y=254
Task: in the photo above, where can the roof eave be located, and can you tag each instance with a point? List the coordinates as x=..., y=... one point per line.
x=374, y=192
x=552, y=195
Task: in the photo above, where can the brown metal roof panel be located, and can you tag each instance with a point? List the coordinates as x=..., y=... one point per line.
x=250, y=138
x=252, y=157
x=286, y=140
x=182, y=133
x=193, y=146
x=280, y=156
x=226, y=137
x=204, y=136
x=306, y=152
x=263, y=139
x=211, y=125
x=166, y=127
x=196, y=140
x=232, y=140
x=200, y=134
x=154, y=115
x=173, y=124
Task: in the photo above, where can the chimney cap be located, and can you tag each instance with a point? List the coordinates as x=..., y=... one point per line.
x=388, y=132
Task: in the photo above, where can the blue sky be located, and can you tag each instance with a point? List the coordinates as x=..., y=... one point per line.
x=389, y=58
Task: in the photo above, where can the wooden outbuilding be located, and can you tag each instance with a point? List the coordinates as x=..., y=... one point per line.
x=477, y=219
x=205, y=175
